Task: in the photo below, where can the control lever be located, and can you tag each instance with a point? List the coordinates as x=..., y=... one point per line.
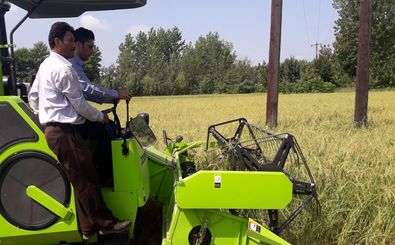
x=116, y=119
x=125, y=149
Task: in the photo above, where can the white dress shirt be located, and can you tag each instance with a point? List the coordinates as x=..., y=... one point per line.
x=92, y=91
x=56, y=94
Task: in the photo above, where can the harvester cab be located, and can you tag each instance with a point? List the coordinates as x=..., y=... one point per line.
x=166, y=196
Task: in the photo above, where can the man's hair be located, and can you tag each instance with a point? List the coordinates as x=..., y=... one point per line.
x=83, y=35
x=58, y=29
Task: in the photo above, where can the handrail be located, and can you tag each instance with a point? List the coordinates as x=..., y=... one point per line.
x=13, y=86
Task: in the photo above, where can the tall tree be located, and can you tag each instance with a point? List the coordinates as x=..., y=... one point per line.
x=323, y=65
x=242, y=78
x=212, y=58
x=189, y=73
x=93, y=66
x=24, y=65
x=382, y=55
x=39, y=52
x=124, y=63
x=382, y=58
x=262, y=70
x=108, y=76
x=149, y=62
x=290, y=70
x=346, y=33
x=164, y=50
x=28, y=61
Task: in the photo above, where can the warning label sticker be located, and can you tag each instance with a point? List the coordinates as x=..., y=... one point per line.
x=217, y=181
x=254, y=227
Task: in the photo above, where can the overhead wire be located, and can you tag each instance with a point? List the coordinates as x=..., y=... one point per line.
x=305, y=22
x=318, y=21
x=331, y=29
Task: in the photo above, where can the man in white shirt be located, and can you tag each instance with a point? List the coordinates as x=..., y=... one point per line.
x=57, y=97
x=94, y=131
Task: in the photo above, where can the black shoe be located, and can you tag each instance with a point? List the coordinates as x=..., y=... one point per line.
x=118, y=227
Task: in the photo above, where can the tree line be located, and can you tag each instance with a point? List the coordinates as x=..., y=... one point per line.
x=160, y=62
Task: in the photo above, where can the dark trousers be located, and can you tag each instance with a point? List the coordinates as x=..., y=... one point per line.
x=100, y=139
x=73, y=152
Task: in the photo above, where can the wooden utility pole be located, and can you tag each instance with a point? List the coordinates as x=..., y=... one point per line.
x=316, y=44
x=362, y=84
x=274, y=64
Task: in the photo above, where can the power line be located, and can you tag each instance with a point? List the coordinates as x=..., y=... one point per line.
x=319, y=18
x=316, y=44
x=305, y=22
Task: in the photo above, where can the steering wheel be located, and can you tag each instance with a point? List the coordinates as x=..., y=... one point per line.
x=116, y=124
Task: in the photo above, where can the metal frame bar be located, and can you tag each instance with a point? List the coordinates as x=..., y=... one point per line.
x=13, y=86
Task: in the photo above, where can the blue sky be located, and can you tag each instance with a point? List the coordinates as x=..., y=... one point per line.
x=246, y=24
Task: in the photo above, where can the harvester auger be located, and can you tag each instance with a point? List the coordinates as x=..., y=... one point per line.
x=168, y=199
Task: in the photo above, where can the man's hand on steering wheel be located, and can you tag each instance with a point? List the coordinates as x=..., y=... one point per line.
x=124, y=94
x=105, y=118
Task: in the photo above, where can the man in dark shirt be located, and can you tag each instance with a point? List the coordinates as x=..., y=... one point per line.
x=95, y=131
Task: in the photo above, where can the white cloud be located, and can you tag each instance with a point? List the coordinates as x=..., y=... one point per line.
x=135, y=29
x=91, y=22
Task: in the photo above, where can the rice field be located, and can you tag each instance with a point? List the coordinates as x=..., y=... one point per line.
x=354, y=168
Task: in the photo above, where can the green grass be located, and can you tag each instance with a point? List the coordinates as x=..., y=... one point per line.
x=354, y=168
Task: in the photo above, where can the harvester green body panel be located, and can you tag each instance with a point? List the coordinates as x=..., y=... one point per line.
x=66, y=227
x=131, y=171
x=193, y=202
x=162, y=175
x=123, y=205
x=234, y=190
x=48, y=236
x=131, y=181
x=224, y=228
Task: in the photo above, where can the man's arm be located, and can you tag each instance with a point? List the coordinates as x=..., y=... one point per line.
x=96, y=93
x=71, y=88
x=33, y=97
x=92, y=92
x=99, y=94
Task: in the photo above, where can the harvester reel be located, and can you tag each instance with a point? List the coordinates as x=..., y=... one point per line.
x=255, y=149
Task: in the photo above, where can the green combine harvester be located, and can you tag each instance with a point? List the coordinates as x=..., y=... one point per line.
x=167, y=199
